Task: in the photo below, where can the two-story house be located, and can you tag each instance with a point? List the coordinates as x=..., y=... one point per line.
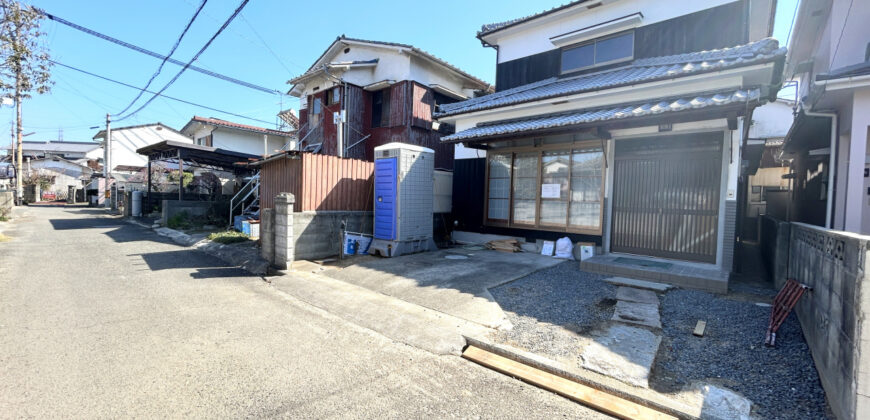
x=243, y=138
x=361, y=94
x=619, y=123
x=829, y=55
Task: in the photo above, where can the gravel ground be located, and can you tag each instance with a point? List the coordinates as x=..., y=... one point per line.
x=551, y=308
x=782, y=382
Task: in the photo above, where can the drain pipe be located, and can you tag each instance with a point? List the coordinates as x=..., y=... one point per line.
x=832, y=165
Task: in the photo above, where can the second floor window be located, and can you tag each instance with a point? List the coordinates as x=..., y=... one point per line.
x=607, y=50
x=381, y=108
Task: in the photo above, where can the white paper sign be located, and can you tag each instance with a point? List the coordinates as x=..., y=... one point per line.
x=551, y=190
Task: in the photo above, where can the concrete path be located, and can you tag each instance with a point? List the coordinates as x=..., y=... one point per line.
x=103, y=319
x=443, y=281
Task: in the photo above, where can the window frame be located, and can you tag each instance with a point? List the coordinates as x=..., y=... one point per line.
x=594, y=43
x=384, y=107
x=537, y=225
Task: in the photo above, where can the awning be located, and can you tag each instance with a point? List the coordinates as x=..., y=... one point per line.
x=201, y=155
x=808, y=133
x=604, y=116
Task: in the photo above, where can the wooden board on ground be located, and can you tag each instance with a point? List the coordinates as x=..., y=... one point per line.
x=505, y=245
x=699, y=328
x=597, y=399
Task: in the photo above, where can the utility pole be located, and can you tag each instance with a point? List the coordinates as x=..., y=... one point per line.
x=107, y=167
x=12, y=148
x=19, y=189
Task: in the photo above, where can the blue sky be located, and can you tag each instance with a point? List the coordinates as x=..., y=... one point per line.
x=272, y=41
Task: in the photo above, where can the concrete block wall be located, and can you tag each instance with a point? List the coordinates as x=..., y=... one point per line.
x=284, y=240
x=267, y=235
x=170, y=208
x=833, y=315
x=318, y=233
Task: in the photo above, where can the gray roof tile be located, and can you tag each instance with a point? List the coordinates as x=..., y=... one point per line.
x=617, y=112
x=639, y=71
x=492, y=27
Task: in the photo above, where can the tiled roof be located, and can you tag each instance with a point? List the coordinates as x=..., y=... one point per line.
x=492, y=27
x=396, y=44
x=230, y=124
x=611, y=113
x=640, y=71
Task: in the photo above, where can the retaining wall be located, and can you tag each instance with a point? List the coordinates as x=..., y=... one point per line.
x=832, y=315
x=170, y=208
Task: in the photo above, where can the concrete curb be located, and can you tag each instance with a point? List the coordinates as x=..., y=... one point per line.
x=247, y=258
x=658, y=402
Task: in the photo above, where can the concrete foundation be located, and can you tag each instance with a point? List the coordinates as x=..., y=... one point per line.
x=318, y=233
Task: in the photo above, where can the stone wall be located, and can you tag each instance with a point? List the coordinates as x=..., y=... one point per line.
x=774, y=248
x=194, y=208
x=832, y=314
x=7, y=200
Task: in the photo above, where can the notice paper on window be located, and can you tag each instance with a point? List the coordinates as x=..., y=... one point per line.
x=551, y=190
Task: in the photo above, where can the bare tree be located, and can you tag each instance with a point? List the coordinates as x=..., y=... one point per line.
x=24, y=61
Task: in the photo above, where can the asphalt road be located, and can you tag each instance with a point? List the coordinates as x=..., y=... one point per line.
x=100, y=318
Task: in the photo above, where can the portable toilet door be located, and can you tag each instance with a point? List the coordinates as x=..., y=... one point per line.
x=386, y=208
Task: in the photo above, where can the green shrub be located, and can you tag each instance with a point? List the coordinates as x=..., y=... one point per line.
x=178, y=221
x=228, y=237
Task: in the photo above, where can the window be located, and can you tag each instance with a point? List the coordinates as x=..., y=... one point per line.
x=558, y=189
x=499, y=187
x=381, y=108
x=525, y=174
x=598, y=52
x=332, y=97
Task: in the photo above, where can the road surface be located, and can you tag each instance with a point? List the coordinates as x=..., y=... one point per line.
x=100, y=318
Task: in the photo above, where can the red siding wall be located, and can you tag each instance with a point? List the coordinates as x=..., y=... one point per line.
x=319, y=182
x=411, y=106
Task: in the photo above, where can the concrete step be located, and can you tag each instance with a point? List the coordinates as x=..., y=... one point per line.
x=396, y=319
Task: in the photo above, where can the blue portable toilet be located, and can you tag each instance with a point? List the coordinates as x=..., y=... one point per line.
x=404, y=196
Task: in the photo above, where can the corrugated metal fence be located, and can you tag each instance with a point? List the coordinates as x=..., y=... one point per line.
x=319, y=182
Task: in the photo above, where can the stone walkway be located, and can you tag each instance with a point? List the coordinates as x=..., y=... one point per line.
x=626, y=350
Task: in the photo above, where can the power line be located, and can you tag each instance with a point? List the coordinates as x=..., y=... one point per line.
x=843, y=30
x=156, y=55
x=195, y=57
x=164, y=96
x=172, y=51
x=265, y=44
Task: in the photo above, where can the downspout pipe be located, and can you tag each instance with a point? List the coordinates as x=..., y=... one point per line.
x=832, y=168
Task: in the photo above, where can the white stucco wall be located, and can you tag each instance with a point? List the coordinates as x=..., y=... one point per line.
x=125, y=142
x=771, y=120
x=393, y=64
x=534, y=38
x=245, y=141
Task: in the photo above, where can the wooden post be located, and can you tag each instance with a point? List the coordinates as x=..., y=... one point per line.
x=180, y=177
x=148, y=200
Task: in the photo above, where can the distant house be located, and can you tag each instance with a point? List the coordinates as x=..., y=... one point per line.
x=618, y=123
x=830, y=55
x=126, y=140
x=386, y=93
x=60, y=174
x=69, y=150
x=242, y=138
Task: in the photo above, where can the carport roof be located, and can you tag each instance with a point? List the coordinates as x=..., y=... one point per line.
x=203, y=155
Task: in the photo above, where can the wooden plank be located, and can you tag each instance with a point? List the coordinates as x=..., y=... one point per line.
x=699, y=328
x=597, y=399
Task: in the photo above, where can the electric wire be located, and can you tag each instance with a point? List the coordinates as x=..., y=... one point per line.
x=162, y=95
x=195, y=57
x=156, y=55
x=163, y=62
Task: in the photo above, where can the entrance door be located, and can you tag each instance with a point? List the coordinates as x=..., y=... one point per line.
x=385, y=198
x=666, y=196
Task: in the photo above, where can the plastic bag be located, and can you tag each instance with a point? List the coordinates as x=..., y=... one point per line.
x=564, y=249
